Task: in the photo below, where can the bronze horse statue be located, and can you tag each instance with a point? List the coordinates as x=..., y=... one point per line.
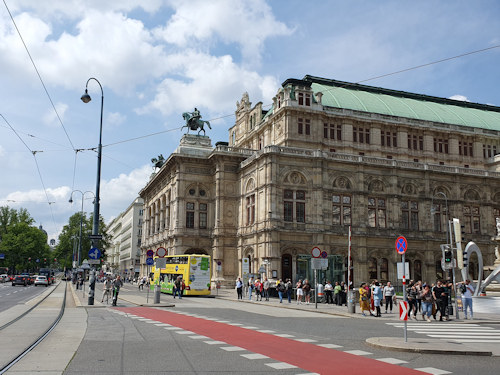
x=194, y=123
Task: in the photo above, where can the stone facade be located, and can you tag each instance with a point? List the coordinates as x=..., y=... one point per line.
x=298, y=175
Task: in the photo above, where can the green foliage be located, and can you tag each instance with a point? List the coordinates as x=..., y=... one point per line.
x=69, y=239
x=21, y=241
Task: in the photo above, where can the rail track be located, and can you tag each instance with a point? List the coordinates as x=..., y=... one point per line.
x=28, y=330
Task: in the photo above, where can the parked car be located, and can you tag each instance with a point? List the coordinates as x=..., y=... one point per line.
x=20, y=280
x=41, y=280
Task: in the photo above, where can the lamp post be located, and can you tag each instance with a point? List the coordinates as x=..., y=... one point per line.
x=449, y=241
x=81, y=223
x=95, y=227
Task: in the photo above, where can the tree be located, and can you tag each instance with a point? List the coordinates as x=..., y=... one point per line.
x=70, y=236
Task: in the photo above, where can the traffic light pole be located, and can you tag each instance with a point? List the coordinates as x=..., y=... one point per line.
x=453, y=269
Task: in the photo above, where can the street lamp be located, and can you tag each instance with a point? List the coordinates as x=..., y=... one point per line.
x=95, y=227
x=81, y=222
x=449, y=241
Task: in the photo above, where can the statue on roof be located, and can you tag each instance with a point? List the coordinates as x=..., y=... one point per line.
x=194, y=121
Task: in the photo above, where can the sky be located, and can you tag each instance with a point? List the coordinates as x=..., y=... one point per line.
x=156, y=59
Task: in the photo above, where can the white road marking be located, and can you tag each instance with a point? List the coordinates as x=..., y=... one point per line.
x=280, y=365
x=198, y=337
x=358, y=352
x=232, y=348
x=433, y=371
x=254, y=356
x=306, y=340
x=265, y=331
x=330, y=346
x=185, y=332
x=214, y=342
x=172, y=328
x=393, y=361
x=285, y=335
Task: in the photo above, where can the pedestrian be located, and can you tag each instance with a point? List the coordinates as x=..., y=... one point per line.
x=258, y=289
x=329, y=292
x=183, y=287
x=266, y=284
x=141, y=283
x=306, y=288
x=289, y=290
x=336, y=290
x=467, y=292
x=411, y=293
x=117, y=284
x=418, y=287
x=239, y=288
x=343, y=294
x=250, y=288
x=441, y=298
x=280, y=287
x=427, y=302
x=389, y=293
x=377, y=298
x=177, y=287
x=106, y=288
x=300, y=292
x=364, y=302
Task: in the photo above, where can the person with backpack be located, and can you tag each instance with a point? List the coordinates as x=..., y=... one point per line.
x=280, y=287
x=307, y=291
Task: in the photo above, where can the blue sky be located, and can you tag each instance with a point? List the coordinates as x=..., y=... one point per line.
x=157, y=59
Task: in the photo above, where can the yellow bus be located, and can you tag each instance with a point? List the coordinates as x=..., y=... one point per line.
x=195, y=270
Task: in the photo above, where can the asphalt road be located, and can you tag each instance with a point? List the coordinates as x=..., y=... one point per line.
x=228, y=337
x=13, y=295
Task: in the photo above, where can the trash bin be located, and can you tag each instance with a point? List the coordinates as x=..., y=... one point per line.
x=157, y=293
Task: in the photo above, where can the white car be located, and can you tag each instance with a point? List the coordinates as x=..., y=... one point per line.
x=41, y=280
x=4, y=278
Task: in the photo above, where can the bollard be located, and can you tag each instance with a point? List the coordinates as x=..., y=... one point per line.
x=157, y=293
x=351, y=302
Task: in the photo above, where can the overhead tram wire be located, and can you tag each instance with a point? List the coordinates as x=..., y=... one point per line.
x=44, y=87
x=37, y=167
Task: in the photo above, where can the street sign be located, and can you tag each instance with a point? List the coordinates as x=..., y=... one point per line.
x=94, y=253
x=150, y=253
x=319, y=264
x=2, y=256
x=95, y=236
x=403, y=310
x=324, y=254
x=401, y=245
x=161, y=263
x=94, y=261
x=161, y=252
x=150, y=261
x=400, y=270
x=316, y=252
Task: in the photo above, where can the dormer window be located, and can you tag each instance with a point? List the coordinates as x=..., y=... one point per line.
x=304, y=99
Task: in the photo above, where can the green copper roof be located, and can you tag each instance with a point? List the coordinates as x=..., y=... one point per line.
x=398, y=103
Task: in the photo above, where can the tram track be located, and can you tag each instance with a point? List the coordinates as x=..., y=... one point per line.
x=27, y=322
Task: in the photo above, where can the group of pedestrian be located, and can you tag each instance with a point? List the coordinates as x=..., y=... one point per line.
x=425, y=299
x=111, y=287
x=335, y=294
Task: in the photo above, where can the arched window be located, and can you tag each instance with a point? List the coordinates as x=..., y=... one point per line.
x=372, y=269
x=417, y=270
x=384, y=270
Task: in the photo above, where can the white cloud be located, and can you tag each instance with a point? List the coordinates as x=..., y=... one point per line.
x=246, y=23
x=114, y=119
x=118, y=193
x=210, y=82
x=50, y=118
x=459, y=97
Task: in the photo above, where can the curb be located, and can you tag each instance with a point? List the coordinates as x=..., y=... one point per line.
x=416, y=346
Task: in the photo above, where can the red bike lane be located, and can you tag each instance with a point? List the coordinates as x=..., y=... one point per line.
x=307, y=356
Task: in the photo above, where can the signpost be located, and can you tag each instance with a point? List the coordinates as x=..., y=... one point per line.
x=149, y=262
x=401, y=247
x=319, y=261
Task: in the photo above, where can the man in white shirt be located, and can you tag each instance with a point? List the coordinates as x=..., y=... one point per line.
x=467, y=293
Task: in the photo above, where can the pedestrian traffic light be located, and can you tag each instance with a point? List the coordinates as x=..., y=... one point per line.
x=447, y=256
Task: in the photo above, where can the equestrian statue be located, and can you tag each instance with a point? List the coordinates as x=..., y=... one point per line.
x=194, y=122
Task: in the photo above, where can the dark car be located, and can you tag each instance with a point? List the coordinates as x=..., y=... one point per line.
x=20, y=280
x=30, y=280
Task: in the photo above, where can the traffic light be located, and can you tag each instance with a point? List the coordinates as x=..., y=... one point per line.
x=448, y=256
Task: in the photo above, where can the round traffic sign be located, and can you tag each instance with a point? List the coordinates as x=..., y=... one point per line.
x=401, y=245
x=150, y=253
x=161, y=252
x=150, y=261
x=324, y=254
x=316, y=252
